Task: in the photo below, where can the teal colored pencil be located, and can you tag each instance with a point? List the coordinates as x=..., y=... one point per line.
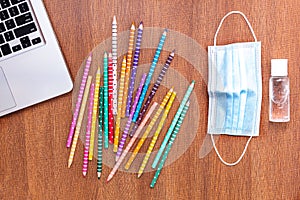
x=170, y=143
x=171, y=128
x=105, y=96
x=99, y=160
x=148, y=79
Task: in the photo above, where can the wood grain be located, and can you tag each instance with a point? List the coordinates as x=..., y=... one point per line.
x=33, y=162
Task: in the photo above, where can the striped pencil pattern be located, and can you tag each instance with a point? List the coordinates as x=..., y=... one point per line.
x=94, y=116
x=120, y=101
x=131, y=142
x=79, y=122
x=152, y=68
x=156, y=134
x=114, y=51
x=173, y=124
x=110, y=101
x=100, y=126
x=149, y=128
x=153, y=91
x=105, y=94
x=79, y=100
x=170, y=143
x=128, y=68
x=127, y=127
x=88, y=131
x=134, y=68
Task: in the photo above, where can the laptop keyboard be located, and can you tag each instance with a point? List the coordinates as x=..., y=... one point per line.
x=19, y=31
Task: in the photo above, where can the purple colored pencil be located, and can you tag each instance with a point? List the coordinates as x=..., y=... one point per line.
x=79, y=100
x=153, y=92
x=88, y=131
x=127, y=127
x=134, y=68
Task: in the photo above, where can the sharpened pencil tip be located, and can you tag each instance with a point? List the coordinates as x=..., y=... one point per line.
x=108, y=179
x=132, y=26
x=173, y=52
x=117, y=158
x=105, y=54
x=114, y=19
x=69, y=164
x=141, y=26
x=84, y=174
x=98, y=175
x=139, y=175
x=165, y=31
x=188, y=103
x=109, y=55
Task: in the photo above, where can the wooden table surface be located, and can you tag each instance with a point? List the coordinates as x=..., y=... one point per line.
x=33, y=162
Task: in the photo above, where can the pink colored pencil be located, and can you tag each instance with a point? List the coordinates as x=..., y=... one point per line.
x=127, y=127
x=110, y=100
x=131, y=142
x=79, y=100
x=88, y=131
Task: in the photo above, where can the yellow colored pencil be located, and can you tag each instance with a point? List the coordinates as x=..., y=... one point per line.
x=156, y=134
x=79, y=122
x=120, y=101
x=94, y=116
x=149, y=128
x=128, y=69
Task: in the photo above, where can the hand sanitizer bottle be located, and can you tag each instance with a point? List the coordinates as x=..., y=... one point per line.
x=279, y=91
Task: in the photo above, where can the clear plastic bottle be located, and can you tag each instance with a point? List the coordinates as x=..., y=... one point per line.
x=279, y=91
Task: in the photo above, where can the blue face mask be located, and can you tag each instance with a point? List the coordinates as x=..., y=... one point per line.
x=234, y=88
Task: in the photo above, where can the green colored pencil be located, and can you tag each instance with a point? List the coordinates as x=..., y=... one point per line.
x=171, y=128
x=99, y=160
x=170, y=143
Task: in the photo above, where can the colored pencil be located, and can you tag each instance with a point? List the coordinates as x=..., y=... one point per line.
x=153, y=92
x=127, y=127
x=134, y=68
x=171, y=128
x=149, y=128
x=118, y=163
x=94, y=116
x=88, y=131
x=114, y=51
x=105, y=95
x=110, y=101
x=79, y=122
x=120, y=101
x=152, y=68
x=79, y=100
x=128, y=68
x=156, y=134
x=170, y=143
x=100, y=126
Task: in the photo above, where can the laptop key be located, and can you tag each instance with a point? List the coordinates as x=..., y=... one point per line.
x=23, y=7
x=2, y=28
x=10, y=24
x=4, y=3
x=24, y=30
x=13, y=11
x=16, y=48
x=36, y=40
x=16, y=1
x=9, y=36
x=5, y=49
x=23, y=19
x=25, y=41
x=1, y=39
x=4, y=15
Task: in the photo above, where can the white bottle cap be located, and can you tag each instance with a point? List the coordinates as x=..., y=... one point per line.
x=279, y=67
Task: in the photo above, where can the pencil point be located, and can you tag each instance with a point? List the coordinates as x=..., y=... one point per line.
x=105, y=54
x=173, y=52
x=188, y=103
x=165, y=31
x=117, y=158
x=141, y=26
x=69, y=164
x=109, y=55
x=108, y=179
x=98, y=175
x=139, y=175
x=84, y=173
x=132, y=26
x=114, y=20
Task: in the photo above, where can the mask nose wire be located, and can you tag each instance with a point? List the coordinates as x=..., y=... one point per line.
x=230, y=13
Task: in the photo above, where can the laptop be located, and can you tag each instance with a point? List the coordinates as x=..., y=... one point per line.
x=32, y=67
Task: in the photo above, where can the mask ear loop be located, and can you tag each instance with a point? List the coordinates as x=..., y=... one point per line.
x=215, y=43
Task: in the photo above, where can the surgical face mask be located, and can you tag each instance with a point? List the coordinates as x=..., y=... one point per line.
x=234, y=88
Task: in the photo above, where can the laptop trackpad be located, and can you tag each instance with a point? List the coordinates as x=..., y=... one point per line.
x=6, y=98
